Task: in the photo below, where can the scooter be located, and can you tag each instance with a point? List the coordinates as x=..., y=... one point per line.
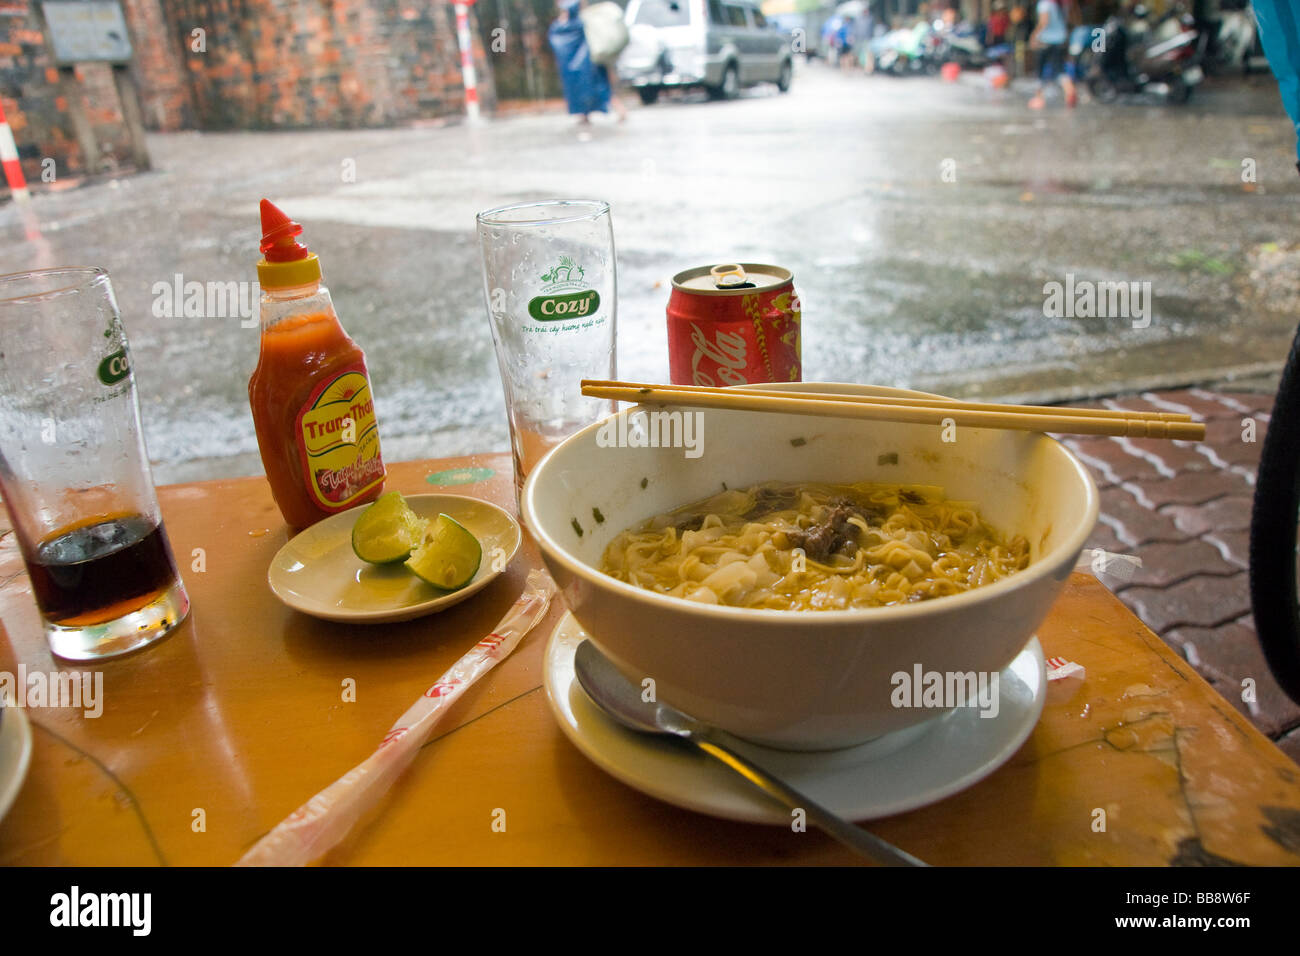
x=907, y=51
x=1085, y=42
x=1236, y=45
x=960, y=45
x=1167, y=59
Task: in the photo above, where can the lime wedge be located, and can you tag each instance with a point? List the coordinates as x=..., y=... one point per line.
x=449, y=557
x=387, y=531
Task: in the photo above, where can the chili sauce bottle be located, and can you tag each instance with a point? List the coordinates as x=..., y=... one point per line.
x=310, y=393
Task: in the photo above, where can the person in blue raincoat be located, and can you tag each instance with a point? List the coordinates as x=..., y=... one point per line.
x=1279, y=33
x=586, y=85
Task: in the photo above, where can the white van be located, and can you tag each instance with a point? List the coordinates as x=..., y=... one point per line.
x=719, y=45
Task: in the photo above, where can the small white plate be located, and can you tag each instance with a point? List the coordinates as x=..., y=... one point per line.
x=317, y=573
x=892, y=774
x=15, y=754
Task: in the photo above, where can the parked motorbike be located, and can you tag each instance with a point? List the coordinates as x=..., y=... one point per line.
x=1083, y=52
x=1236, y=44
x=1164, y=58
x=960, y=45
x=908, y=51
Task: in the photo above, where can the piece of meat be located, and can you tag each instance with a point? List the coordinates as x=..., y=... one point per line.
x=689, y=523
x=767, y=500
x=832, y=535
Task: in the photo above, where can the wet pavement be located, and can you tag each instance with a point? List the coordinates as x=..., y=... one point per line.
x=922, y=221
x=1173, y=542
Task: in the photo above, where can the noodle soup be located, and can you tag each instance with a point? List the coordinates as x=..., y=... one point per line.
x=813, y=546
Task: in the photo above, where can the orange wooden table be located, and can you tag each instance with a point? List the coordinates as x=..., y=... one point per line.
x=238, y=717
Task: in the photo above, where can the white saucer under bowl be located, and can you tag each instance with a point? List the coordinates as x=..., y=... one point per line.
x=15, y=754
x=901, y=771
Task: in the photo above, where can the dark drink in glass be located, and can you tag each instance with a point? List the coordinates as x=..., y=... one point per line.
x=101, y=570
x=74, y=471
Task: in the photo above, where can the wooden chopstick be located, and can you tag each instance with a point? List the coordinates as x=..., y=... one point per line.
x=914, y=402
x=835, y=406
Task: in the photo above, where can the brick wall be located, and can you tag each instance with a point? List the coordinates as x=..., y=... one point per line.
x=100, y=105
x=158, y=69
x=277, y=64
x=239, y=64
x=514, y=32
x=30, y=94
x=39, y=104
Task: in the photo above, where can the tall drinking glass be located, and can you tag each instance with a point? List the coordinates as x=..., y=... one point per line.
x=549, y=279
x=74, y=471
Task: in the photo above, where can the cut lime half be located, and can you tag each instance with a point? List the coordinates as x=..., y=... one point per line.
x=449, y=557
x=388, y=531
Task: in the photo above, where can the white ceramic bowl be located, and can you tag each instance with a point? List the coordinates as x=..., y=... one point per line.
x=806, y=680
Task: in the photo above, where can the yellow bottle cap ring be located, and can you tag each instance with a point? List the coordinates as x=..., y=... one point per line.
x=287, y=275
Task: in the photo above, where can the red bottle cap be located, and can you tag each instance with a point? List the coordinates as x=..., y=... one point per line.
x=278, y=232
x=286, y=262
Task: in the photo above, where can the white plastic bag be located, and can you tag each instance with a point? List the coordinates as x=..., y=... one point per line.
x=606, y=32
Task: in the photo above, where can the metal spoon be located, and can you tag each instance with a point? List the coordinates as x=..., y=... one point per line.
x=621, y=699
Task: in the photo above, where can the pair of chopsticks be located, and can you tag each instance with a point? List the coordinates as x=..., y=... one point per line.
x=919, y=411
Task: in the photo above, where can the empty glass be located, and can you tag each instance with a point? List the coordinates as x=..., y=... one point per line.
x=550, y=283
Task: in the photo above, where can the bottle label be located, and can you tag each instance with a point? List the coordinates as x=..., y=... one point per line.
x=338, y=439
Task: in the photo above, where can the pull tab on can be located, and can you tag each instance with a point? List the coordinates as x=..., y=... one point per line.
x=728, y=276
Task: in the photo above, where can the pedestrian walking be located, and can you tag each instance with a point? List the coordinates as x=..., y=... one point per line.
x=999, y=24
x=586, y=84
x=863, y=27
x=830, y=39
x=1021, y=27
x=1050, y=37
x=607, y=37
x=844, y=42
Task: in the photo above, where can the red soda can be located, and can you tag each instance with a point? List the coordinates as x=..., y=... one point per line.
x=733, y=324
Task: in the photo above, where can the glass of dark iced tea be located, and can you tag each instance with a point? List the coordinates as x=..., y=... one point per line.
x=73, y=468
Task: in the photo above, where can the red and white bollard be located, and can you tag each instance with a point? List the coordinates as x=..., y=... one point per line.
x=9, y=158
x=467, y=61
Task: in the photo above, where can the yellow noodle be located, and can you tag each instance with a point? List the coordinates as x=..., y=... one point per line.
x=898, y=543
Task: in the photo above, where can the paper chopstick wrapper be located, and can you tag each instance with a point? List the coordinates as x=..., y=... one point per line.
x=320, y=823
x=1108, y=564
x=1058, y=668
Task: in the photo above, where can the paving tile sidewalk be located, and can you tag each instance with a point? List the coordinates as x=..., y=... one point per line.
x=1183, y=509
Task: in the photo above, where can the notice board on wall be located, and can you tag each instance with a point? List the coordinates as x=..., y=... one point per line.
x=87, y=31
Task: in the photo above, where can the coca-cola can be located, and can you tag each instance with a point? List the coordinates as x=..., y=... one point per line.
x=733, y=324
